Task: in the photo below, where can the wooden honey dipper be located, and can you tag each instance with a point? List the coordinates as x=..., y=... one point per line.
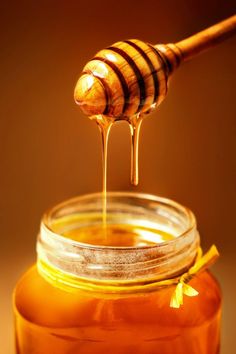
x=130, y=77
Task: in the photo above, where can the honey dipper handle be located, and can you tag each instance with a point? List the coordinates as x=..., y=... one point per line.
x=207, y=38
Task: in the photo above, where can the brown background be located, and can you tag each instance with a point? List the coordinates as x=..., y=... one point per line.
x=49, y=151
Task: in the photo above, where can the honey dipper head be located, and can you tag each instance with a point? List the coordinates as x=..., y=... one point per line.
x=123, y=80
x=90, y=94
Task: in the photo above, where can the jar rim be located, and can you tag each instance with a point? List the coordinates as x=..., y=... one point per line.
x=91, y=261
x=45, y=221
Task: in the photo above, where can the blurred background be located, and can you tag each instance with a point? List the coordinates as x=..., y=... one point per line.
x=49, y=151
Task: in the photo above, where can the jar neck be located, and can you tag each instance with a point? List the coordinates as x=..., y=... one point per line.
x=70, y=261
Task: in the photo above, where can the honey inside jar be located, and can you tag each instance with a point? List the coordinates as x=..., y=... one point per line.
x=119, y=235
x=78, y=304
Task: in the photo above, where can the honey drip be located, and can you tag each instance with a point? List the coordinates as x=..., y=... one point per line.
x=105, y=123
x=104, y=126
x=135, y=125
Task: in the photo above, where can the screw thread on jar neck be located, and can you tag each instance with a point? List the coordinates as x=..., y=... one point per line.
x=98, y=263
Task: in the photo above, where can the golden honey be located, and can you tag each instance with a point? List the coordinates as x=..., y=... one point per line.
x=90, y=295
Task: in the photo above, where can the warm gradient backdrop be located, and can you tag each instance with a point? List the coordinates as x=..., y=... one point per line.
x=49, y=151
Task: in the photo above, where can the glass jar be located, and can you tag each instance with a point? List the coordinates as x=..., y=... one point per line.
x=95, y=291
